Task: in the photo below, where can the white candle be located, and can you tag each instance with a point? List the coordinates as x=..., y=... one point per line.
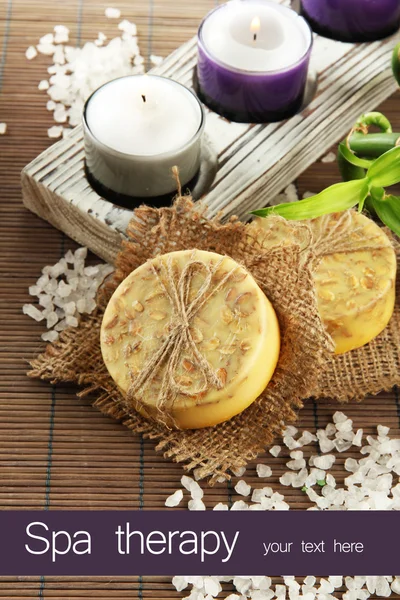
x=136, y=129
x=255, y=36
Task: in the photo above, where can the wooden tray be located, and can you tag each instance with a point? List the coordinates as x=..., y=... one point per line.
x=255, y=162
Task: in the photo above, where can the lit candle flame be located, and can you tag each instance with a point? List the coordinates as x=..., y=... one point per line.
x=255, y=27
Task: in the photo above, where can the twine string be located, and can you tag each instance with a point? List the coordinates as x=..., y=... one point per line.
x=179, y=337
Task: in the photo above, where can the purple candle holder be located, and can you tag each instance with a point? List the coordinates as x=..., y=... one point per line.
x=253, y=58
x=352, y=20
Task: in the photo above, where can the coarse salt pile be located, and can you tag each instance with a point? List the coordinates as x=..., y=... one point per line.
x=372, y=484
x=77, y=72
x=310, y=588
x=65, y=291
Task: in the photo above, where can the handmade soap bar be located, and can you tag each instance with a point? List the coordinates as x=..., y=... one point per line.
x=190, y=339
x=355, y=275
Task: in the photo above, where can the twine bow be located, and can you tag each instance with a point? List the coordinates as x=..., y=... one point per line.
x=179, y=338
x=328, y=240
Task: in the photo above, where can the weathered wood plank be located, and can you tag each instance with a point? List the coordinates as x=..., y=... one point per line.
x=255, y=162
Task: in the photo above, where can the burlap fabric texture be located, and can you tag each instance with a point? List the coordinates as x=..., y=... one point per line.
x=306, y=365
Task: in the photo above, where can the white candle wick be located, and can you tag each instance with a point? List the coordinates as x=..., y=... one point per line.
x=255, y=27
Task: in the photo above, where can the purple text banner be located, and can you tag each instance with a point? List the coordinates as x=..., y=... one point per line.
x=198, y=543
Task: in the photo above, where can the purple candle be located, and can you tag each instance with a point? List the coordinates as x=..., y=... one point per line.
x=353, y=20
x=253, y=60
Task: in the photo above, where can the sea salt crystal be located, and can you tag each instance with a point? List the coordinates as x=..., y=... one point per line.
x=180, y=583
x=69, y=308
x=3, y=128
x=239, y=505
x=71, y=321
x=291, y=193
x=33, y=312
x=239, y=471
x=263, y=470
x=64, y=289
x=50, y=336
x=156, y=60
x=324, y=462
x=306, y=438
x=128, y=27
x=195, y=490
x=174, y=499
x=275, y=450
x=242, y=488
x=51, y=320
x=351, y=465
x=290, y=442
x=382, y=587
x=186, y=482
x=45, y=300
x=339, y=417
x=396, y=586
x=330, y=480
x=112, y=13
x=287, y=478
x=221, y=506
x=61, y=35
x=344, y=426
x=61, y=325
x=50, y=105
x=212, y=586
x=329, y=158
x=91, y=271
x=196, y=504
x=342, y=445
x=60, y=115
x=31, y=52
x=383, y=431
x=336, y=580
x=55, y=131
x=46, y=49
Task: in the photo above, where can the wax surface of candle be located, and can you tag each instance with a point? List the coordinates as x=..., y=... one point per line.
x=235, y=331
x=255, y=36
x=143, y=116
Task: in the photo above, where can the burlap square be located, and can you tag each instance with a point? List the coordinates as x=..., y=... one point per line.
x=306, y=365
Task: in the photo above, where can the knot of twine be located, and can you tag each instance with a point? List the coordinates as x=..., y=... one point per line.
x=331, y=240
x=179, y=340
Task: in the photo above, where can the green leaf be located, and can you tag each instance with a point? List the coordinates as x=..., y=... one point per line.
x=396, y=62
x=321, y=482
x=335, y=198
x=352, y=158
x=388, y=210
x=386, y=169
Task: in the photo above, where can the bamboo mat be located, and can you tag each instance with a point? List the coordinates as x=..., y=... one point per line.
x=56, y=452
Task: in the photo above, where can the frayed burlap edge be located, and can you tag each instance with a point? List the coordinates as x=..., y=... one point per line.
x=285, y=278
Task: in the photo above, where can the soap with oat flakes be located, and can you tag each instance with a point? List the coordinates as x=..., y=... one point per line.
x=355, y=286
x=194, y=337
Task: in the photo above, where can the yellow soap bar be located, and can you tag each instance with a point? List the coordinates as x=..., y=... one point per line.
x=234, y=338
x=356, y=284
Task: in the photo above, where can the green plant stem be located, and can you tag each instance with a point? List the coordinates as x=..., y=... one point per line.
x=372, y=145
